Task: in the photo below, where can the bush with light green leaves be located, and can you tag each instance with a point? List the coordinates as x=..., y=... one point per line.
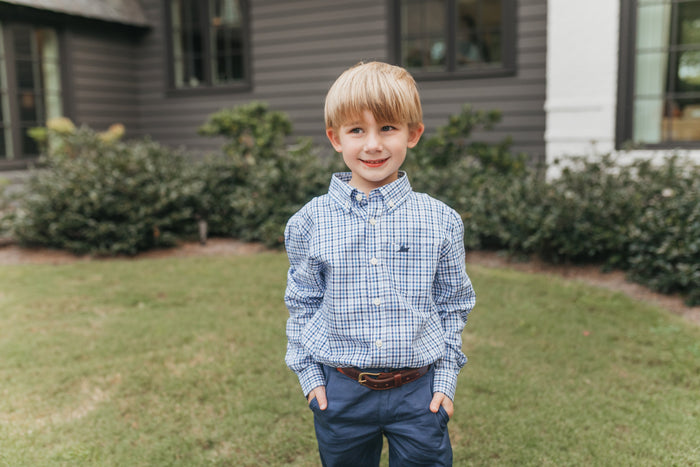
x=258, y=180
x=96, y=194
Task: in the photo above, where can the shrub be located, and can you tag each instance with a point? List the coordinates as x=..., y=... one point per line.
x=437, y=160
x=6, y=210
x=98, y=195
x=586, y=212
x=479, y=180
x=639, y=217
x=258, y=181
x=664, y=242
x=504, y=212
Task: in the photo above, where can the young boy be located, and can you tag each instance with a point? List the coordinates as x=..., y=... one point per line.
x=377, y=289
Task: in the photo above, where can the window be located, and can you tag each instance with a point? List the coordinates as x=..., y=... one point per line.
x=459, y=37
x=209, y=44
x=5, y=127
x=661, y=105
x=30, y=86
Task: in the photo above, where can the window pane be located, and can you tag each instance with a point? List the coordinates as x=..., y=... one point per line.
x=653, y=27
x=187, y=43
x=226, y=13
x=26, y=76
x=689, y=30
x=688, y=77
x=38, y=94
x=423, y=34
x=5, y=129
x=652, y=69
x=226, y=41
x=685, y=56
x=684, y=121
x=469, y=48
x=491, y=31
x=650, y=112
x=28, y=107
x=3, y=91
x=22, y=38
x=478, y=40
x=50, y=72
x=648, y=120
x=29, y=145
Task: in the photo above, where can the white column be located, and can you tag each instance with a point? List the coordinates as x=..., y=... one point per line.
x=582, y=66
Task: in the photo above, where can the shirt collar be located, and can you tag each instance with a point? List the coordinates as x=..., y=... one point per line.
x=393, y=194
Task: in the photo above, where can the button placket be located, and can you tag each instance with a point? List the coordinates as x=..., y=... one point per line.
x=376, y=274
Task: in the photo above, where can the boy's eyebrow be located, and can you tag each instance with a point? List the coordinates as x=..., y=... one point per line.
x=362, y=122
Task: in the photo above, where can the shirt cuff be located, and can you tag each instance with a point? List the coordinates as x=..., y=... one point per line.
x=445, y=381
x=311, y=377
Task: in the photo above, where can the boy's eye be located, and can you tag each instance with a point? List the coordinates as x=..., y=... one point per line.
x=388, y=128
x=356, y=130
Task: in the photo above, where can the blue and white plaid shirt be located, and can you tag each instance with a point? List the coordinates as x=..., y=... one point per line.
x=376, y=282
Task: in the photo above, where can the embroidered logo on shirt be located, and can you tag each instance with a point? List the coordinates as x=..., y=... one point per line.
x=403, y=249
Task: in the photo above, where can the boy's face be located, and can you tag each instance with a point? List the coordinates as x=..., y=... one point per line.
x=373, y=151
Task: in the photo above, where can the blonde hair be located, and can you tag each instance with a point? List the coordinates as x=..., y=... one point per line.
x=389, y=92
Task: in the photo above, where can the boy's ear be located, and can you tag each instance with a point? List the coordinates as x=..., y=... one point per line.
x=334, y=138
x=414, y=134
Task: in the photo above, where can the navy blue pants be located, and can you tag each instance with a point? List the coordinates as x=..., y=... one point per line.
x=349, y=432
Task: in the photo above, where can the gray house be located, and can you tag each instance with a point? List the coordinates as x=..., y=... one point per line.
x=160, y=67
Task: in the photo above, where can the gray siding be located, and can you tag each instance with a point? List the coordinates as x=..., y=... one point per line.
x=103, y=79
x=299, y=47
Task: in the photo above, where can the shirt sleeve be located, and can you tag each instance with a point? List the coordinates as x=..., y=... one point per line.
x=454, y=296
x=303, y=297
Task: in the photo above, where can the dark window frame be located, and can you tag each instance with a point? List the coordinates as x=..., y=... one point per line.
x=508, y=51
x=624, y=125
x=208, y=87
x=21, y=160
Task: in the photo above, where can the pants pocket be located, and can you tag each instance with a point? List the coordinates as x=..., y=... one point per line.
x=443, y=417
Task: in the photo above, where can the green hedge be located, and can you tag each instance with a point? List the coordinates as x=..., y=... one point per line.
x=258, y=180
x=664, y=241
x=638, y=217
x=98, y=195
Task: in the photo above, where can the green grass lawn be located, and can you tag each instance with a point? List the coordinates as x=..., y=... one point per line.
x=181, y=362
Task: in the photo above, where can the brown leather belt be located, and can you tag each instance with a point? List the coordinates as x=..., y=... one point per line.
x=387, y=380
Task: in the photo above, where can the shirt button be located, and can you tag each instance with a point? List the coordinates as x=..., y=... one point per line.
x=374, y=261
x=379, y=343
x=377, y=301
x=358, y=197
x=391, y=204
x=373, y=221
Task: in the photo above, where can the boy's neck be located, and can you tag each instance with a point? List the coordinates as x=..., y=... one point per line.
x=366, y=188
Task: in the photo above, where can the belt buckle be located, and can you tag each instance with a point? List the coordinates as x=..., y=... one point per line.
x=364, y=373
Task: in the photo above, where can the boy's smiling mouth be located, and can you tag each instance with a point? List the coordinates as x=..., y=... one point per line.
x=375, y=162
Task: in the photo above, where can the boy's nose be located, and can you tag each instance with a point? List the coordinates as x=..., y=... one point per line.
x=373, y=143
